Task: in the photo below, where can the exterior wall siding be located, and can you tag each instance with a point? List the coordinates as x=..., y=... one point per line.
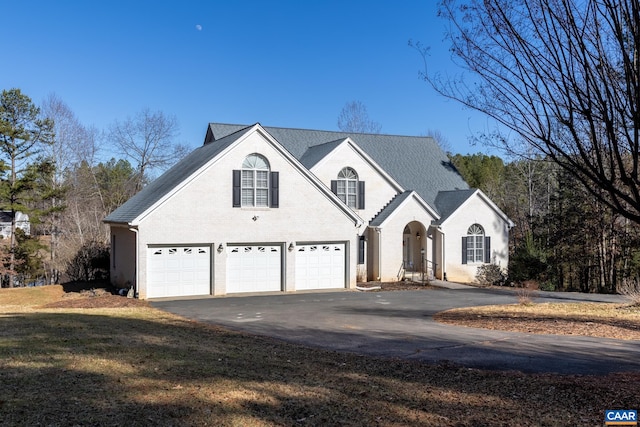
x=123, y=253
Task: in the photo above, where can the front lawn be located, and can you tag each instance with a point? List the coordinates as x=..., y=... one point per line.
x=135, y=365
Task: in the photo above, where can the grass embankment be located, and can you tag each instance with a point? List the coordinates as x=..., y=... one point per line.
x=140, y=366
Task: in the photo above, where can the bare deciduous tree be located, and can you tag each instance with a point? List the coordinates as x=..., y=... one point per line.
x=72, y=145
x=564, y=76
x=354, y=118
x=148, y=141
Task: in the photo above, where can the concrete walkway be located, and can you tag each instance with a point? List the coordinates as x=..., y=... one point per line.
x=400, y=324
x=449, y=285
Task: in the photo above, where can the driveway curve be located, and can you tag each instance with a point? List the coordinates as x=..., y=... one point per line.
x=401, y=325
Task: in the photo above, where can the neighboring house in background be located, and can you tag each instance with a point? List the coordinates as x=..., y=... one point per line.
x=263, y=209
x=22, y=222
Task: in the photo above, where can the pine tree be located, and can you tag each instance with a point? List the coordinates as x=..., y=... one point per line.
x=22, y=133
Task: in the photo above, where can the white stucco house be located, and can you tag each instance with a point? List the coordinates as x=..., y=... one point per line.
x=265, y=209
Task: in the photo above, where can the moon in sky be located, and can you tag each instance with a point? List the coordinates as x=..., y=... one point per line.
x=199, y=27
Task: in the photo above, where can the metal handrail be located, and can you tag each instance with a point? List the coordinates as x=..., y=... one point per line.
x=428, y=269
x=401, y=271
x=424, y=271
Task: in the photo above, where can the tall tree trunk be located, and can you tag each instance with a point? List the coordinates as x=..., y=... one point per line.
x=12, y=252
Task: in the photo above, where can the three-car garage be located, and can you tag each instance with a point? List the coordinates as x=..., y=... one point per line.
x=178, y=271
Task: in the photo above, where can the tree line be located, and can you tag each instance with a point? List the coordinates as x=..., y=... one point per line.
x=52, y=169
x=564, y=237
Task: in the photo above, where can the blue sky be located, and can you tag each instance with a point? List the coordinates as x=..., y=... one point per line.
x=279, y=63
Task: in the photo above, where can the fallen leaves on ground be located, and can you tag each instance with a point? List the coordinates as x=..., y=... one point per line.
x=94, y=298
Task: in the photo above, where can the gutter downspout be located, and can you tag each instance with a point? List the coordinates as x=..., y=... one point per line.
x=379, y=231
x=135, y=264
x=444, y=273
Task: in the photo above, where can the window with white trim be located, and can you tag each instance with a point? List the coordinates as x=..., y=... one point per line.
x=255, y=181
x=347, y=189
x=475, y=244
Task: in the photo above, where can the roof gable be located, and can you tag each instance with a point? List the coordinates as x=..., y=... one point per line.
x=185, y=170
x=396, y=204
x=315, y=154
x=323, y=152
x=172, y=179
x=449, y=202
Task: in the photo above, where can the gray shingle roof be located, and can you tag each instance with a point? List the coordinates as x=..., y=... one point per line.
x=415, y=162
x=169, y=180
x=318, y=152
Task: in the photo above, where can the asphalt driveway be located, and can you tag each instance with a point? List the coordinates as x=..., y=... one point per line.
x=400, y=325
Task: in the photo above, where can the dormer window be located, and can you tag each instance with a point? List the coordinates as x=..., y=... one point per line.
x=348, y=188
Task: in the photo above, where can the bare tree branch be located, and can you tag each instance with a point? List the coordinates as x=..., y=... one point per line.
x=354, y=118
x=147, y=140
x=564, y=76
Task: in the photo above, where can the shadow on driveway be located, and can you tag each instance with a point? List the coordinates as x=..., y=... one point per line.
x=400, y=325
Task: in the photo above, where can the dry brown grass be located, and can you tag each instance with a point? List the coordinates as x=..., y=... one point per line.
x=139, y=366
x=587, y=319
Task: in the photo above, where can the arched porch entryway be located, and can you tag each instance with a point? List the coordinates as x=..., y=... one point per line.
x=415, y=254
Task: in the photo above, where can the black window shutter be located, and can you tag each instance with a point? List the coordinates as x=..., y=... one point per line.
x=275, y=189
x=360, y=194
x=487, y=250
x=361, y=250
x=334, y=187
x=236, y=189
x=464, y=250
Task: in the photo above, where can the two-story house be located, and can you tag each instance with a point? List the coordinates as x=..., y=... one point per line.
x=262, y=209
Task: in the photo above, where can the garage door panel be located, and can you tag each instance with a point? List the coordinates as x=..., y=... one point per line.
x=178, y=271
x=320, y=266
x=254, y=268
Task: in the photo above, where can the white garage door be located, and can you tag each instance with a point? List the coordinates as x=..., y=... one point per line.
x=254, y=268
x=320, y=266
x=178, y=271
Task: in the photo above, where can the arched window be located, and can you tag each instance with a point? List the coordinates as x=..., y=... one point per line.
x=255, y=181
x=347, y=189
x=475, y=244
